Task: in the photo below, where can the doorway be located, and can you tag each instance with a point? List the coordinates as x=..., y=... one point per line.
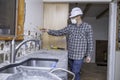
x=97, y=15
x=110, y=34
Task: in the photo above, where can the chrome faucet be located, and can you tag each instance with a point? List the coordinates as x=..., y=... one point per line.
x=14, y=49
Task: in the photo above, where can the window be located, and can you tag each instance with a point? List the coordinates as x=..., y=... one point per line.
x=7, y=17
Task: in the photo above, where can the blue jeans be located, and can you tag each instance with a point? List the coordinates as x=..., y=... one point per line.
x=75, y=67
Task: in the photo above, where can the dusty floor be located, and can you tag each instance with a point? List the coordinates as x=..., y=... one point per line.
x=93, y=72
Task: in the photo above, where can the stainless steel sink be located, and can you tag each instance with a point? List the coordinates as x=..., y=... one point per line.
x=32, y=62
x=40, y=62
x=9, y=69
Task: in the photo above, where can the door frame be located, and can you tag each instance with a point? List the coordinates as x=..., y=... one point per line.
x=112, y=40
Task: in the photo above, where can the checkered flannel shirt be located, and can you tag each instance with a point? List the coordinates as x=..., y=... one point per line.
x=79, y=40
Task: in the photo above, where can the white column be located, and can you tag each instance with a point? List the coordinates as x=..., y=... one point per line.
x=112, y=40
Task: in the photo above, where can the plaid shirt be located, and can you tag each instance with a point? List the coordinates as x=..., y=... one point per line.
x=79, y=40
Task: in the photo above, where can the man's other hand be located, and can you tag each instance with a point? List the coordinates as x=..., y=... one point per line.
x=87, y=59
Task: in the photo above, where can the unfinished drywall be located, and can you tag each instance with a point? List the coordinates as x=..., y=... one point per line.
x=33, y=16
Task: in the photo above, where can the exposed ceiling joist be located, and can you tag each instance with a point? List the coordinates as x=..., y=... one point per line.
x=102, y=13
x=87, y=7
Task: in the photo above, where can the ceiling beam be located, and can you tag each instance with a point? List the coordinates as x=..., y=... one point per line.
x=102, y=13
x=87, y=7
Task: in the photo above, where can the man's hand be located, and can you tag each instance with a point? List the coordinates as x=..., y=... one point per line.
x=87, y=59
x=44, y=30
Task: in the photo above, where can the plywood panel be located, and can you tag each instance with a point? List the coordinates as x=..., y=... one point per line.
x=55, y=17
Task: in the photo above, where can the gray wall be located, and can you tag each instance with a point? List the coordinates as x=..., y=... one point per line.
x=33, y=16
x=100, y=29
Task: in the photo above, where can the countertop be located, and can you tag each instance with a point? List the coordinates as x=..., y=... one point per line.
x=61, y=55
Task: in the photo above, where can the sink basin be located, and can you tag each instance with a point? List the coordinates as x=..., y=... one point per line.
x=40, y=62
x=8, y=69
x=32, y=62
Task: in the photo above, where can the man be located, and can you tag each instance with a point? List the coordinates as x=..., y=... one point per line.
x=79, y=41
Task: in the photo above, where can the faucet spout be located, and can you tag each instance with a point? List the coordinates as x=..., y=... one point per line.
x=15, y=50
x=12, y=48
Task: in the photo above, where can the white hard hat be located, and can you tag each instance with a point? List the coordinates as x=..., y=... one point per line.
x=75, y=12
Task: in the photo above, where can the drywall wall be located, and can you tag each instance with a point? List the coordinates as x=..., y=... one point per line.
x=33, y=16
x=100, y=29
